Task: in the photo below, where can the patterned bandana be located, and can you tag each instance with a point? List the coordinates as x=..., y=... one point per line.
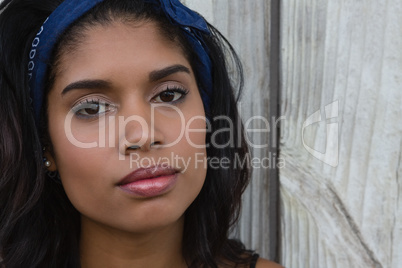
x=69, y=11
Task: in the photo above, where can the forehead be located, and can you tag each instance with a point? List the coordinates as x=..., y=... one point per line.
x=122, y=45
x=117, y=31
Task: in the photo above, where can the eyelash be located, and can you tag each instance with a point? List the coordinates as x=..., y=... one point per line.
x=93, y=104
x=174, y=89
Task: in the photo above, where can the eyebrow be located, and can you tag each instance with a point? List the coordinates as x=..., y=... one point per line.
x=87, y=84
x=103, y=84
x=160, y=74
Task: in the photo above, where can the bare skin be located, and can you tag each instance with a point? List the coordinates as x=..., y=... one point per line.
x=264, y=263
x=102, y=248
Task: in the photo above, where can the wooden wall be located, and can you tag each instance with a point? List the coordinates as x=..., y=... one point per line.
x=340, y=93
x=348, y=55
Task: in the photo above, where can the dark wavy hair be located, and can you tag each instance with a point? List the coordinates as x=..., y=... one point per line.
x=39, y=227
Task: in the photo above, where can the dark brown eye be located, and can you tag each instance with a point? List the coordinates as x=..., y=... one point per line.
x=167, y=96
x=94, y=109
x=170, y=95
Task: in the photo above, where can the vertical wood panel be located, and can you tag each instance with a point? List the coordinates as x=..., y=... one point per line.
x=246, y=24
x=351, y=52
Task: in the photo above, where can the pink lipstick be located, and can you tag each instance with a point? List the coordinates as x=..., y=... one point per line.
x=149, y=182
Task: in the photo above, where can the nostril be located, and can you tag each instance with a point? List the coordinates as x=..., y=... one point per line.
x=133, y=147
x=155, y=143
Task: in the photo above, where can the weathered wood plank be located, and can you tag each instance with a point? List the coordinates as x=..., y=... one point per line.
x=351, y=52
x=246, y=24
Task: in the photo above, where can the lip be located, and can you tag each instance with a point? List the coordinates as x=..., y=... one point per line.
x=149, y=182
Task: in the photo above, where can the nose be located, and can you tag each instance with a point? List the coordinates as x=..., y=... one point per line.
x=138, y=131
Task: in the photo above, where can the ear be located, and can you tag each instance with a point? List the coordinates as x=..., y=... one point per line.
x=50, y=158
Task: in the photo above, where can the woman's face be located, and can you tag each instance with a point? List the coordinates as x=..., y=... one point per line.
x=127, y=85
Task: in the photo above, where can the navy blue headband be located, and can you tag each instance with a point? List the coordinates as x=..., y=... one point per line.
x=71, y=10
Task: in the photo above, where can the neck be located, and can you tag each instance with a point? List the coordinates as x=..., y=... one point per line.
x=102, y=246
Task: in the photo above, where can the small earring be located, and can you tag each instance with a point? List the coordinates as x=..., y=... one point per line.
x=47, y=162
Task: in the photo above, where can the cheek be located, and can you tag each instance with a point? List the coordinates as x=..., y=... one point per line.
x=76, y=165
x=183, y=127
x=196, y=132
x=192, y=145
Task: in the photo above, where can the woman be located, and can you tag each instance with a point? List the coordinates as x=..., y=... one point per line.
x=108, y=126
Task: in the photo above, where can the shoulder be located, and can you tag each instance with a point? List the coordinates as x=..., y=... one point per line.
x=264, y=263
